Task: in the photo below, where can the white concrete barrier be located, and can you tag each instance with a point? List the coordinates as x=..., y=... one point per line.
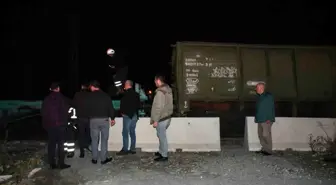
x=290, y=132
x=188, y=134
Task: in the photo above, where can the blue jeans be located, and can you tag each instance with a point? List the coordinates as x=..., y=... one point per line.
x=161, y=131
x=128, y=130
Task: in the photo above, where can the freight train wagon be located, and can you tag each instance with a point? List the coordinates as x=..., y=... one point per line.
x=213, y=79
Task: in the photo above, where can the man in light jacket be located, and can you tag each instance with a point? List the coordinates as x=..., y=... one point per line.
x=161, y=113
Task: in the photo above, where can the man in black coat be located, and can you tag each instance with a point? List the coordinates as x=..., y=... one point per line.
x=54, y=114
x=129, y=108
x=101, y=114
x=80, y=103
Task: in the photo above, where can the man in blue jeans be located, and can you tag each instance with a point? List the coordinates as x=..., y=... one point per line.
x=162, y=110
x=129, y=108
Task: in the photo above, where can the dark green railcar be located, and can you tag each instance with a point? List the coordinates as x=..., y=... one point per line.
x=214, y=77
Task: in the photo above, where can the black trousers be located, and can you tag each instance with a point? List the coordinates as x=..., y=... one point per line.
x=84, y=133
x=69, y=145
x=56, y=141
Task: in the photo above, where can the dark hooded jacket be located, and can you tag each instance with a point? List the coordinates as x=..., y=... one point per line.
x=54, y=110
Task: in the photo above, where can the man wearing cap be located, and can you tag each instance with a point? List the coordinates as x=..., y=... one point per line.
x=101, y=115
x=129, y=108
x=80, y=103
x=54, y=114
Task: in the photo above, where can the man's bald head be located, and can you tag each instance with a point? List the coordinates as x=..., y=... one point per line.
x=128, y=84
x=260, y=88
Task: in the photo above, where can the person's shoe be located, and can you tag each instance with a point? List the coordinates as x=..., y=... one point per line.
x=64, y=166
x=161, y=159
x=157, y=154
x=107, y=160
x=94, y=161
x=53, y=166
x=265, y=153
x=122, y=152
x=81, y=155
x=132, y=152
x=259, y=152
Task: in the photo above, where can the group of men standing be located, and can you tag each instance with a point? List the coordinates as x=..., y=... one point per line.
x=95, y=115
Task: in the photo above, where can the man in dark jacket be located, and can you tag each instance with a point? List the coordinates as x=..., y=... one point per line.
x=54, y=114
x=129, y=108
x=80, y=103
x=69, y=144
x=265, y=117
x=101, y=115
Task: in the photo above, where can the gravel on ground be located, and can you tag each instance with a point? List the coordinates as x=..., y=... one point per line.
x=233, y=166
x=18, y=158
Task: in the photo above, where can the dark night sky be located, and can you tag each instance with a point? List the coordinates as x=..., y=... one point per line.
x=37, y=47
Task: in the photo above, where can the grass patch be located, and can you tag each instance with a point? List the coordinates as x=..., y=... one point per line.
x=323, y=145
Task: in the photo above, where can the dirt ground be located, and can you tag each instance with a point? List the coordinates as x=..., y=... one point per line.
x=234, y=166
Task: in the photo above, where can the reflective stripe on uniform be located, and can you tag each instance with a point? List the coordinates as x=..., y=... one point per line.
x=65, y=149
x=69, y=144
x=71, y=150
